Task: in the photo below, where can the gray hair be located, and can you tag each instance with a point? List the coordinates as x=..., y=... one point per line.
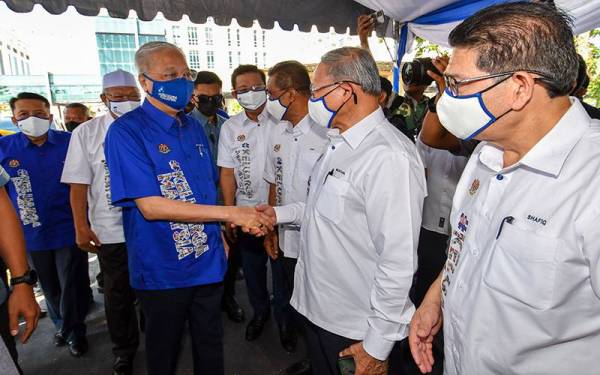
x=356, y=65
x=143, y=54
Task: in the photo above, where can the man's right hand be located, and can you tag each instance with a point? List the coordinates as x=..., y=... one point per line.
x=272, y=245
x=425, y=324
x=441, y=63
x=365, y=26
x=252, y=221
x=86, y=239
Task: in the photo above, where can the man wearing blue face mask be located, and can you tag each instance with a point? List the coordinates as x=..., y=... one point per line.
x=520, y=291
x=99, y=224
x=34, y=160
x=242, y=158
x=162, y=176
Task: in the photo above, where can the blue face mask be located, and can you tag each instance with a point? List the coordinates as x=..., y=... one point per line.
x=175, y=93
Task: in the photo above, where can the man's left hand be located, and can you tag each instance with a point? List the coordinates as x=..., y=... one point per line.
x=22, y=303
x=365, y=364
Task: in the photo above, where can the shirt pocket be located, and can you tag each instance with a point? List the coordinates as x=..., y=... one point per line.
x=331, y=201
x=523, y=266
x=306, y=163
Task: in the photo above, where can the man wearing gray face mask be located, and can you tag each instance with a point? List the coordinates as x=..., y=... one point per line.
x=242, y=156
x=520, y=291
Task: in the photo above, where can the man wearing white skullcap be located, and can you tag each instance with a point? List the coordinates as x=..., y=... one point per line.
x=85, y=170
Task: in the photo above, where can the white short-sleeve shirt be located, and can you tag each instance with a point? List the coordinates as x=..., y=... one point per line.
x=243, y=147
x=85, y=164
x=443, y=172
x=291, y=155
x=521, y=286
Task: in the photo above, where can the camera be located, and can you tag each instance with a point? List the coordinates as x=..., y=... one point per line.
x=377, y=17
x=415, y=72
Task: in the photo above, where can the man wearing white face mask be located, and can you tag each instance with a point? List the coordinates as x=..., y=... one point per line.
x=356, y=259
x=86, y=172
x=520, y=291
x=242, y=156
x=34, y=160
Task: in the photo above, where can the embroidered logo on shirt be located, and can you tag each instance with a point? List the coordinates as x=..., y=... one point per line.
x=188, y=238
x=244, y=179
x=537, y=220
x=474, y=187
x=241, y=138
x=163, y=148
x=278, y=181
x=14, y=163
x=454, y=251
x=463, y=223
x=107, y=185
x=277, y=148
x=25, y=202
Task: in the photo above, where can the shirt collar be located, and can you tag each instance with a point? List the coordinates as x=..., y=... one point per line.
x=261, y=117
x=25, y=141
x=359, y=131
x=551, y=152
x=164, y=120
x=301, y=128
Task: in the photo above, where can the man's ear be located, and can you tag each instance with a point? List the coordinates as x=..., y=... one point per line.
x=51, y=118
x=144, y=82
x=234, y=94
x=523, y=84
x=14, y=120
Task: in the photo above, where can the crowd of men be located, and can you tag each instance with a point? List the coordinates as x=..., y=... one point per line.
x=476, y=212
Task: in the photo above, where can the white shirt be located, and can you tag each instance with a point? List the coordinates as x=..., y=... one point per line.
x=85, y=164
x=443, y=170
x=243, y=147
x=522, y=280
x=360, y=228
x=291, y=155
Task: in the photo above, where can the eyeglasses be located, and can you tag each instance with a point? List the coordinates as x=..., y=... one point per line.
x=251, y=88
x=454, y=84
x=271, y=94
x=190, y=75
x=313, y=89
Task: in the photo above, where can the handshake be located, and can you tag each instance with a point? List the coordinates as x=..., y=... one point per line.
x=258, y=221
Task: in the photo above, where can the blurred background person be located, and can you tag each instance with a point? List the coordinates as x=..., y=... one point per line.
x=76, y=114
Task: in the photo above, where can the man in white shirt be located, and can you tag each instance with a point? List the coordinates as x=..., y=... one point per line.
x=442, y=170
x=292, y=152
x=86, y=171
x=242, y=155
x=356, y=262
x=520, y=292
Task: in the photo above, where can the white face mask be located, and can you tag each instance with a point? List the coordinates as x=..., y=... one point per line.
x=252, y=100
x=121, y=108
x=34, y=126
x=320, y=113
x=276, y=109
x=465, y=116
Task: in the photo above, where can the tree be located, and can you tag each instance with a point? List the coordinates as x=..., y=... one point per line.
x=593, y=61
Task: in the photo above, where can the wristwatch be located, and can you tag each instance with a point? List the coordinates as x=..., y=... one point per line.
x=30, y=277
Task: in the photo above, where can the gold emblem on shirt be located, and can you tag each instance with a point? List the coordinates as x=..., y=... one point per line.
x=241, y=138
x=163, y=148
x=14, y=163
x=277, y=148
x=474, y=187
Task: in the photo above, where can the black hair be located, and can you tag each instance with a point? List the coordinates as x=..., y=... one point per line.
x=207, y=78
x=386, y=86
x=522, y=36
x=81, y=106
x=243, y=69
x=27, y=95
x=291, y=74
x=583, y=79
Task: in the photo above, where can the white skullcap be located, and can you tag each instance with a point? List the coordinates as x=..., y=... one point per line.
x=118, y=78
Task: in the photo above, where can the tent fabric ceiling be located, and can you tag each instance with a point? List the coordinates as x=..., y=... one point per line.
x=339, y=14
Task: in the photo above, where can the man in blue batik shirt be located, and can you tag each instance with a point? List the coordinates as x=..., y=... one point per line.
x=34, y=160
x=162, y=175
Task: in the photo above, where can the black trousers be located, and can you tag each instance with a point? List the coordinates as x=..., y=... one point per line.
x=324, y=350
x=8, y=339
x=119, y=300
x=254, y=261
x=234, y=263
x=167, y=311
x=432, y=257
x=67, y=298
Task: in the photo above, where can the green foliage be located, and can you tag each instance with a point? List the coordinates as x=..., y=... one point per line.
x=593, y=62
x=424, y=47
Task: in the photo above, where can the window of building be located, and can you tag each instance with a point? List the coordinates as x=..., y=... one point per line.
x=117, y=51
x=176, y=35
x=192, y=36
x=255, y=38
x=256, y=58
x=264, y=59
x=239, y=58
x=210, y=59
x=238, y=37
x=230, y=60
x=228, y=37
x=194, y=59
x=208, y=36
x=151, y=38
x=264, y=39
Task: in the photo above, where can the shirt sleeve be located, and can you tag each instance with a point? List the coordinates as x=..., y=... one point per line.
x=396, y=185
x=269, y=174
x=4, y=177
x=290, y=213
x=77, y=169
x=224, y=157
x=591, y=247
x=131, y=172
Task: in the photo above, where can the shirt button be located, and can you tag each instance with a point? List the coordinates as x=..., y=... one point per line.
x=499, y=177
x=475, y=252
x=333, y=147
